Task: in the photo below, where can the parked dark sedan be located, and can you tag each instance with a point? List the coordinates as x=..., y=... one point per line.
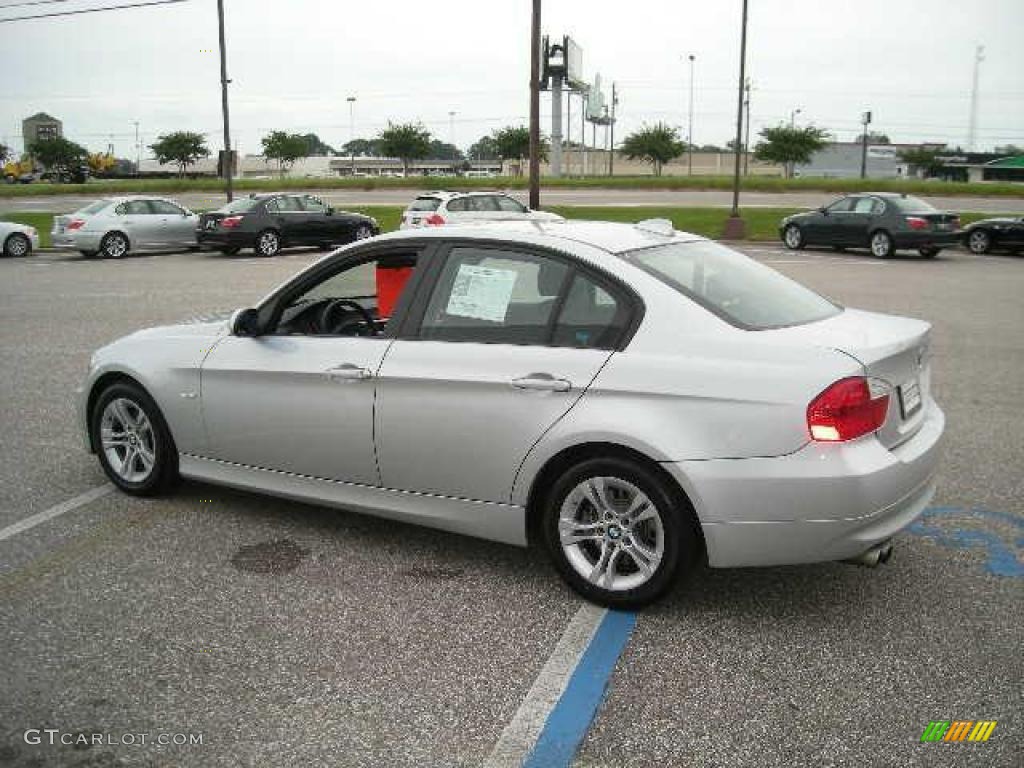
x=882, y=221
x=988, y=234
x=267, y=223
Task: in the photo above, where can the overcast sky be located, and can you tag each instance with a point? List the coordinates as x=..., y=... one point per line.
x=294, y=62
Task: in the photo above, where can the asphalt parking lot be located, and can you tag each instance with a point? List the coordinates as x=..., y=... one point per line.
x=287, y=634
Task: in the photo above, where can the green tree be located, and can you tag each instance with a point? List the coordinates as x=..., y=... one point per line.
x=284, y=147
x=406, y=141
x=484, y=149
x=318, y=147
x=657, y=144
x=361, y=148
x=5, y=153
x=875, y=138
x=62, y=158
x=513, y=143
x=789, y=145
x=924, y=161
x=182, y=148
x=1009, y=149
x=442, y=150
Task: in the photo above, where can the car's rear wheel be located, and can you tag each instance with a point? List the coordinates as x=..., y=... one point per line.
x=364, y=231
x=929, y=253
x=793, y=237
x=17, y=244
x=114, y=245
x=979, y=242
x=617, y=533
x=268, y=243
x=881, y=244
x=132, y=440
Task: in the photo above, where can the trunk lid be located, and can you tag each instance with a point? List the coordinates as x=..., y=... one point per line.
x=211, y=220
x=893, y=349
x=939, y=221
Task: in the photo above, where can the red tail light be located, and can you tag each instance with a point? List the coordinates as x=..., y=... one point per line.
x=434, y=220
x=231, y=222
x=76, y=224
x=846, y=411
x=916, y=222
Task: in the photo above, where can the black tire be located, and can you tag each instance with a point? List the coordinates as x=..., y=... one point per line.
x=929, y=253
x=229, y=251
x=114, y=245
x=268, y=243
x=881, y=244
x=17, y=245
x=164, y=471
x=363, y=232
x=680, y=539
x=979, y=242
x=793, y=237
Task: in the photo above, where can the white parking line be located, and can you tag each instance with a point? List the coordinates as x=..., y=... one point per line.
x=41, y=517
x=520, y=735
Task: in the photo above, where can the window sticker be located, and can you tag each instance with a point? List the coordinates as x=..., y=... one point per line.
x=482, y=293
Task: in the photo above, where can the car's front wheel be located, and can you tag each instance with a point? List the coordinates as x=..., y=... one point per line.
x=132, y=440
x=17, y=244
x=114, y=245
x=979, y=242
x=881, y=244
x=793, y=237
x=268, y=243
x=618, y=533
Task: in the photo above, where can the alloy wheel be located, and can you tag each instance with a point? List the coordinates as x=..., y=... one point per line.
x=611, y=533
x=363, y=232
x=881, y=245
x=793, y=237
x=17, y=245
x=128, y=440
x=269, y=243
x=979, y=241
x=115, y=246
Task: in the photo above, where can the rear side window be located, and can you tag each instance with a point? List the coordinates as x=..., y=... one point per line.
x=591, y=317
x=509, y=205
x=313, y=204
x=241, y=205
x=910, y=204
x=458, y=205
x=424, y=204
x=134, y=208
x=165, y=208
x=738, y=289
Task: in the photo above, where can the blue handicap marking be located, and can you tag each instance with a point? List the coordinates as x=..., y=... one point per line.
x=1002, y=560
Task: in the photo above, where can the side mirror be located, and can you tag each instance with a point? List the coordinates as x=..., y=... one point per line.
x=245, y=322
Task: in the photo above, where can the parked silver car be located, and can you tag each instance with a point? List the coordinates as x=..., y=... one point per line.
x=17, y=239
x=435, y=209
x=633, y=398
x=114, y=226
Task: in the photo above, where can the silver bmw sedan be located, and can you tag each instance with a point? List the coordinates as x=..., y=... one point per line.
x=114, y=226
x=634, y=399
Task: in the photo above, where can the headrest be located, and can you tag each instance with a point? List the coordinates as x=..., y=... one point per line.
x=550, y=277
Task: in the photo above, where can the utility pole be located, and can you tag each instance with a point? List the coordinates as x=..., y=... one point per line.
x=689, y=130
x=568, y=130
x=735, y=228
x=865, y=120
x=746, y=140
x=227, y=164
x=556, y=124
x=611, y=147
x=584, y=97
x=979, y=56
x=535, y=106
x=351, y=134
x=791, y=166
x=138, y=150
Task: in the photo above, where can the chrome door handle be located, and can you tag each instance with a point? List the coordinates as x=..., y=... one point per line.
x=348, y=372
x=543, y=382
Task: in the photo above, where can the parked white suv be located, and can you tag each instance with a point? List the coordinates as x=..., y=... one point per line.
x=434, y=209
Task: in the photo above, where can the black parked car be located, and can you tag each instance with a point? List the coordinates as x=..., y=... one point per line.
x=882, y=221
x=267, y=223
x=989, y=234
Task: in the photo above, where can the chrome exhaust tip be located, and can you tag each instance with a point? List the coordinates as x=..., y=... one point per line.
x=872, y=558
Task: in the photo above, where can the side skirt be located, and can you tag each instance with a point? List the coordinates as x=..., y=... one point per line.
x=486, y=520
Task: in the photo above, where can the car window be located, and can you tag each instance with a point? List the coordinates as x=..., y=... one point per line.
x=285, y=204
x=313, y=204
x=843, y=205
x=509, y=205
x=494, y=296
x=134, y=208
x=165, y=208
x=482, y=203
x=738, y=289
x=458, y=205
x=96, y=207
x=877, y=206
x=241, y=205
x=910, y=204
x=591, y=317
x=864, y=205
x=424, y=204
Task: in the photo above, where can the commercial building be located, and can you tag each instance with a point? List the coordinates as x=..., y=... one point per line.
x=40, y=126
x=842, y=160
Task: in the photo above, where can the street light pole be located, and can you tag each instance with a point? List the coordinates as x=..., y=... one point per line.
x=734, y=227
x=689, y=131
x=746, y=140
x=226, y=166
x=535, y=106
x=791, y=166
x=865, y=121
x=138, y=150
x=351, y=134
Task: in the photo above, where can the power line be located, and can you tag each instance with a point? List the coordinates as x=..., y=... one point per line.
x=31, y=2
x=90, y=10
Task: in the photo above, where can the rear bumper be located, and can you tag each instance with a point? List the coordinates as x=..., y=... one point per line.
x=824, y=502
x=77, y=241
x=229, y=239
x=926, y=239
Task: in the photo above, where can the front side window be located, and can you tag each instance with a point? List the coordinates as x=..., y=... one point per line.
x=313, y=204
x=738, y=289
x=864, y=205
x=165, y=208
x=134, y=208
x=494, y=296
x=843, y=205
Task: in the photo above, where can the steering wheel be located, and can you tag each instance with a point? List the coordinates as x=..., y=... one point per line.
x=334, y=325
